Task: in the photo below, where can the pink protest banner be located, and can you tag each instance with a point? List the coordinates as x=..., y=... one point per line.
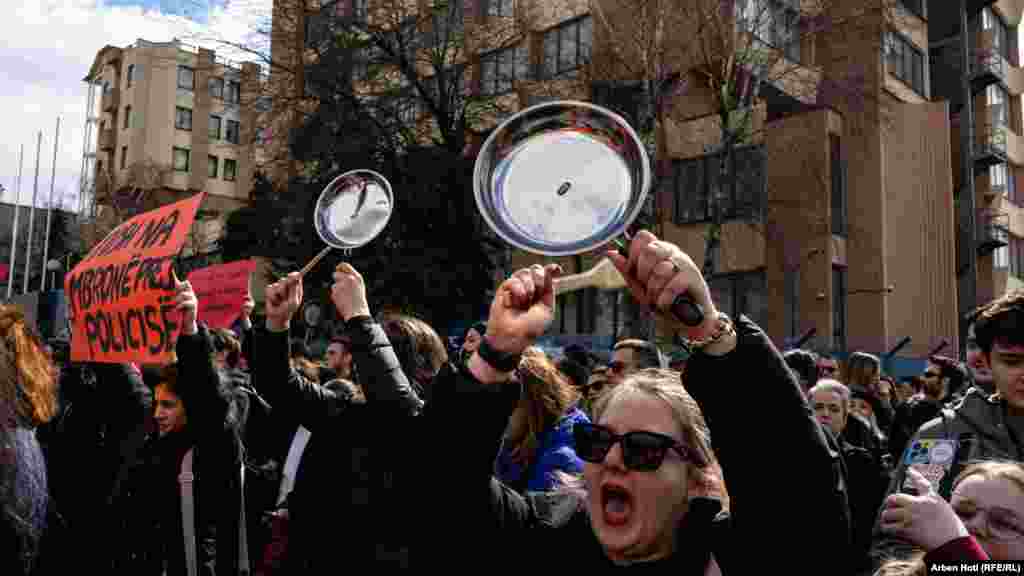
x=221, y=290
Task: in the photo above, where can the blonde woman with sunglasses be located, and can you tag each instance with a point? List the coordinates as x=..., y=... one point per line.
x=656, y=491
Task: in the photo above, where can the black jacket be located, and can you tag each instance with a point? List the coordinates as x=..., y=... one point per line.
x=344, y=495
x=787, y=492
x=980, y=415
x=151, y=500
x=105, y=412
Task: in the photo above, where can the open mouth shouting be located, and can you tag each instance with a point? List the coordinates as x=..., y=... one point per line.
x=616, y=504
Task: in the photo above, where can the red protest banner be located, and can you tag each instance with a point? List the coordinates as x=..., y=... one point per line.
x=221, y=291
x=121, y=296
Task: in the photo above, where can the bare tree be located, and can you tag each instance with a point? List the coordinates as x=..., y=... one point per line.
x=142, y=187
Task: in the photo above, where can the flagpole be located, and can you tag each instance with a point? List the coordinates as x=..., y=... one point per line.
x=32, y=214
x=14, y=228
x=49, y=210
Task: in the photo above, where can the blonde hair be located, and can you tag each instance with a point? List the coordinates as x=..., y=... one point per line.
x=28, y=383
x=989, y=470
x=666, y=386
x=994, y=469
x=547, y=396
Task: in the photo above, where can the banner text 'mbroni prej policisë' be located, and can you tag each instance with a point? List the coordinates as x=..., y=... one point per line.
x=121, y=296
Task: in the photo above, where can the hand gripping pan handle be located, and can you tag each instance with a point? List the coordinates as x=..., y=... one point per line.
x=683, y=307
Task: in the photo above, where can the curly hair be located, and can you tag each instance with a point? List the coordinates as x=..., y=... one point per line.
x=29, y=384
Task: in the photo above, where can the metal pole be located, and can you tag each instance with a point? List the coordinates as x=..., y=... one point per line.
x=32, y=214
x=14, y=228
x=968, y=268
x=49, y=208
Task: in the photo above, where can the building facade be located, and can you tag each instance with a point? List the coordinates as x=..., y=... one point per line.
x=837, y=214
x=171, y=120
x=994, y=80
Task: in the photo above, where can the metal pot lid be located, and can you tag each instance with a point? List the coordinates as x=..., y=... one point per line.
x=561, y=178
x=353, y=209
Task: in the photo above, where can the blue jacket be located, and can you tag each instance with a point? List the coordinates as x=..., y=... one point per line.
x=556, y=451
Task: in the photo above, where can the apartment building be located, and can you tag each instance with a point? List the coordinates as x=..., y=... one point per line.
x=838, y=215
x=175, y=120
x=993, y=126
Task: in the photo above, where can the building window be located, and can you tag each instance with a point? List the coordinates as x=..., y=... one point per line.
x=124, y=157
x=216, y=86
x=181, y=157
x=995, y=99
x=499, y=8
x=838, y=173
x=448, y=20
x=231, y=133
x=211, y=166
x=567, y=47
x=905, y=61
x=741, y=293
x=186, y=78
x=792, y=302
x=501, y=69
x=774, y=22
x=232, y=92
x=214, y=127
x=1016, y=257
x=997, y=179
x=360, y=15
x=839, y=291
x=1013, y=193
x=915, y=7
x=130, y=75
x=991, y=22
x=230, y=169
x=1001, y=258
x=696, y=181
x=127, y=117
x=182, y=118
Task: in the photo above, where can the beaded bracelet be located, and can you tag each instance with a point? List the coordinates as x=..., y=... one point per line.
x=723, y=327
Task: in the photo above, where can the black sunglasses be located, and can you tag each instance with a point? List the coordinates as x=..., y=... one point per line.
x=930, y=374
x=641, y=451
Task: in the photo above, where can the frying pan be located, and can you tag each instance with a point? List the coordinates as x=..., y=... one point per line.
x=564, y=178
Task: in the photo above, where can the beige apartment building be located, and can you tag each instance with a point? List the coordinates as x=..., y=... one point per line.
x=840, y=215
x=175, y=120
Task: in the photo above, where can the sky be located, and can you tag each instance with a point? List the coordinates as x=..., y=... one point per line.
x=47, y=51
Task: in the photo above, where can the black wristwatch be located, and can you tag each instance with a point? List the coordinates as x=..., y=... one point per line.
x=500, y=361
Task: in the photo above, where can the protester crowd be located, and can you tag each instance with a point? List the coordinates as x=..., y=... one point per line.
x=248, y=455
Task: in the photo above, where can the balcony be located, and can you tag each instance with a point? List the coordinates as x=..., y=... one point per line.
x=991, y=147
x=107, y=139
x=987, y=67
x=993, y=231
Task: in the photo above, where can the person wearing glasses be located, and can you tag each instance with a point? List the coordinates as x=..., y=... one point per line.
x=943, y=378
x=653, y=491
x=828, y=367
x=984, y=519
x=978, y=426
x=631, y=355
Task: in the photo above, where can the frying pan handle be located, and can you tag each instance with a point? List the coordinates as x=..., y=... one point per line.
x=683, y=307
